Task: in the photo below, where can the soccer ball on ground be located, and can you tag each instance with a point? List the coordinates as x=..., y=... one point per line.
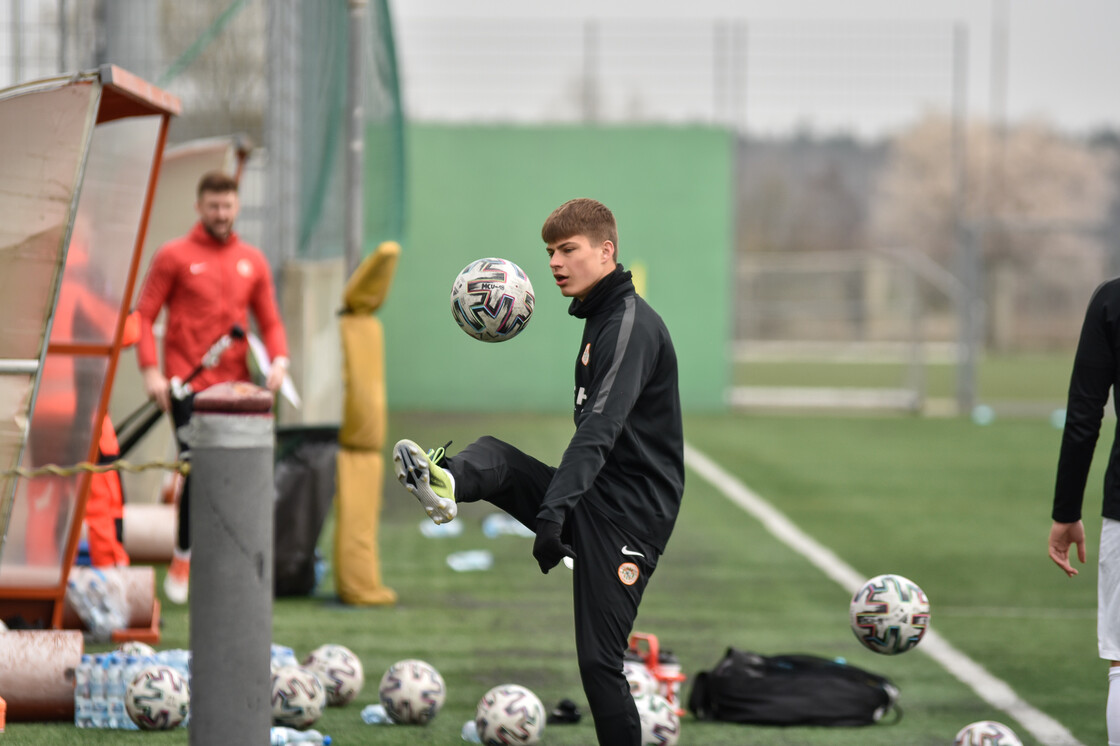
x=986, y=733
x=339, y=670
x=509, y=714
x=158, y=698
x=639, y=677
x=492, y=299
x=661, y=726
x=298, y=697
x=412, y=692
x=889, y=614
x=137, y=648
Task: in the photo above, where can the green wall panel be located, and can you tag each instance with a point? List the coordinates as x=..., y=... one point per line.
x=476, y=191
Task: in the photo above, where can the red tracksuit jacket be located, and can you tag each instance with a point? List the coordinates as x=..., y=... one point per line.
x=207, y=286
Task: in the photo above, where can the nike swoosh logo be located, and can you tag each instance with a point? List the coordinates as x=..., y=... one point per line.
x=631, y=552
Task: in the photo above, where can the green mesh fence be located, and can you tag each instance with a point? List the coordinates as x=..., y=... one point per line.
x=325, y=43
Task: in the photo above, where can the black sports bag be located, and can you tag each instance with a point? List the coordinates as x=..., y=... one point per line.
x=750, y=688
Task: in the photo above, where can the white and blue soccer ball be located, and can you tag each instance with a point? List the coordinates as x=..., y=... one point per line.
x=158, y=698
x=298, y=697
x=339, y=670
x=492, y=299
x=661, y=726
x=412, y=692
x=889, y=614
x=986, y=733
x=510, y=714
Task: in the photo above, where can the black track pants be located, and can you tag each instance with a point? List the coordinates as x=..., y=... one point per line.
x=612, y=568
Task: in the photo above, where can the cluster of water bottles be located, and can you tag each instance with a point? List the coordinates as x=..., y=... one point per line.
x=98, y=597
x=101, y=682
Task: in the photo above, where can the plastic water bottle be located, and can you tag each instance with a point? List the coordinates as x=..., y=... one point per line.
x=281, y=736
x=282, y=656
x=114, y=693
x=503, y=524
x=440, y=530
x=470, y=560
x=470, y=732
x=83, y=705
x=99, y=704
x=375, y=715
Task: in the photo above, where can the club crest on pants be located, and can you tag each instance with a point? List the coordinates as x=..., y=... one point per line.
x=628, y=573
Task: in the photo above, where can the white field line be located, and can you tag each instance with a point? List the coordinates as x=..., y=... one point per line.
x=992, y=690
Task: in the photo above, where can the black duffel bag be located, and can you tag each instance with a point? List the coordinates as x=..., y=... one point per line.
x=747, y=687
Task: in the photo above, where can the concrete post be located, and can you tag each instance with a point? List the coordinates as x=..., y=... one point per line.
x=232, y=492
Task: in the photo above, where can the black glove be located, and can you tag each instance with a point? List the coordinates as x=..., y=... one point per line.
x=548, y=549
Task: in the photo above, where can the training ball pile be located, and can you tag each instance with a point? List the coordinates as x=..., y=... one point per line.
x=412, y=692
x=509, y=714
x=889, y=614
x=298, y=697
x=492, y=299
x=986, y=733
x=158, y=698
x=661, y=726
x=339, y=670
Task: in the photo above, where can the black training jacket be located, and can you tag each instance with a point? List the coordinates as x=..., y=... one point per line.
x=1095, y=371
x=626, y=458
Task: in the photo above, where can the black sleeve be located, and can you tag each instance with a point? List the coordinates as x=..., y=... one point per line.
x=615, y=387
x=1094, y=370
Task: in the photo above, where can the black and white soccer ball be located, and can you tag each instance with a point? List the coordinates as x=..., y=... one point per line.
x=158, y=698
x=339, y=670
x=510, y=714
x=889, y=614
x=298, y=697
x=986, y=733
x=412, y=692
x=492, y=299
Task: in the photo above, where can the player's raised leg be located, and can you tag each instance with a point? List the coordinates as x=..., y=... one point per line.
x=420, y=474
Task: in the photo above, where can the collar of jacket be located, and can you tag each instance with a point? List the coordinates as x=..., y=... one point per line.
x=602, y=296
x=202, y=237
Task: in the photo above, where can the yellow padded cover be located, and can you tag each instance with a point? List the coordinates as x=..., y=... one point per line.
x=357, y=506
x=366, y=289
x=363, y=383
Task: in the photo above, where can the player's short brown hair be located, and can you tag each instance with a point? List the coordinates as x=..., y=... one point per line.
x=581, y=217
x=217, y=182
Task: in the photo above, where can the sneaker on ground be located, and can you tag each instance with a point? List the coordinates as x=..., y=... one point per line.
x=177, y=583
x=433, y=487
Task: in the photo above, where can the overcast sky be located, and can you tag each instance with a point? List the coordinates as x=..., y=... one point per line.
x=1060, y=64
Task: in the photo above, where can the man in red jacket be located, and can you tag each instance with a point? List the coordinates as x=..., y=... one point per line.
x=208, y=280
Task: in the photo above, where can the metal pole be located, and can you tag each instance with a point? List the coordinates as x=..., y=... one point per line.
x=231, y=434
x=17, y=41
x=964, y=240
x=355, y=135
x=282, y=130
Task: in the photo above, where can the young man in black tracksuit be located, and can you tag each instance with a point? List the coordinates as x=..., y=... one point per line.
x=1096, y=371
x=612, y=502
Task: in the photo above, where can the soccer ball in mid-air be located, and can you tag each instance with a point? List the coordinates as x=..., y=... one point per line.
x=509, y=714
x=298, y=697
x=986, y=733
x=889, y=614
x=158, y=698
x=661, y=726
x=492, y=299
x=340, y=671
x=412, y=692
